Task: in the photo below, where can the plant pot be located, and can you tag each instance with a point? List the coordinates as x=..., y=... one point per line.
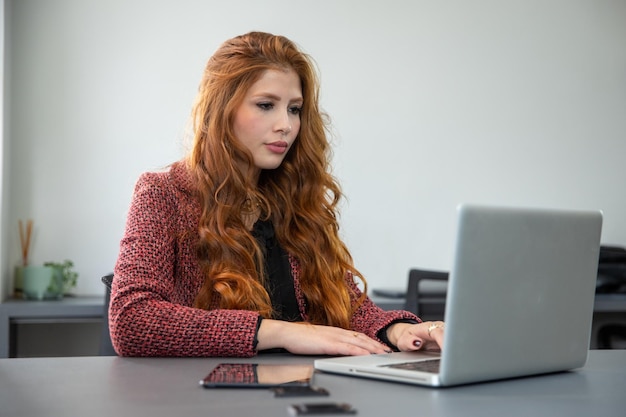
x=18, y=282
x=41, y=282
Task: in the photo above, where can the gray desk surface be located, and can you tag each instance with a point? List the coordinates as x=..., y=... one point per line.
x=113, y=386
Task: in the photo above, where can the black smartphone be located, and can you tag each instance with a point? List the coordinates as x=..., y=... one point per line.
x=253, y=375
x=297, y=391
x=312, y=409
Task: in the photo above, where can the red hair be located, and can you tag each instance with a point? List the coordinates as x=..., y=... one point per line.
x=300, y=197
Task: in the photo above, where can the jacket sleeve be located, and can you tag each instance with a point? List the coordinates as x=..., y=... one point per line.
x=157, y=278
x=371, y=319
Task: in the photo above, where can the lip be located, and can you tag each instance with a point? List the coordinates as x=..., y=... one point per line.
x=279, y=147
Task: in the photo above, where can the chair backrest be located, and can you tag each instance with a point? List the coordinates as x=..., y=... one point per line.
x=106, y=347
x=426, y=301
x=612, y=336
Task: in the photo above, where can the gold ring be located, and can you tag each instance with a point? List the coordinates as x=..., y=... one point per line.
x=434, y=326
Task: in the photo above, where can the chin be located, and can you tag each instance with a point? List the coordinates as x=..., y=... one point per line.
x=269, y=165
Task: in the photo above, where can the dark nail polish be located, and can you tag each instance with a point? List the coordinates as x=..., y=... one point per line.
x=417, y=343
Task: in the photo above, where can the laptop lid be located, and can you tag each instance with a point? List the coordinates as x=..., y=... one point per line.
x=519, y=302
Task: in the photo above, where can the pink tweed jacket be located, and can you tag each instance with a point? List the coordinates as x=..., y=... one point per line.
x=157, y=277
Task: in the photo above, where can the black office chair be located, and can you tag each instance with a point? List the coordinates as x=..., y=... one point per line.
x=106, y=347
x=612, y=279
x=612, y=336
x=428, y=303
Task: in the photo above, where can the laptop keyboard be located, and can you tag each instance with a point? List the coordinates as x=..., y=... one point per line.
x=431, y=365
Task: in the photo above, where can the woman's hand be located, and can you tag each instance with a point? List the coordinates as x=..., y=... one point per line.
x=310, y=339
x=427, y=335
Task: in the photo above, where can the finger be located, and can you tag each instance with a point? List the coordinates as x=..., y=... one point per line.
x=352, y=350
x=439, y=338
x=426, y=335
x=363, y=341
x=411, y=343
x=436, y=332
x=433, y=326
x=353, y=345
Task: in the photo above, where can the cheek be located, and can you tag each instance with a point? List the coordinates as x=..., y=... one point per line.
x=238, y=125
x=245, y=127
x=296, y=125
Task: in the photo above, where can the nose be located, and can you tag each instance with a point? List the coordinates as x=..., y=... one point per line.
x=287, y=130
x=283, y=124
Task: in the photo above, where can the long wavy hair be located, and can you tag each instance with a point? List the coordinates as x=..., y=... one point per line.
x=300, y=197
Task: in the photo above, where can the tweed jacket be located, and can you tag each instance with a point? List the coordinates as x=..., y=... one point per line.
x=157, y=277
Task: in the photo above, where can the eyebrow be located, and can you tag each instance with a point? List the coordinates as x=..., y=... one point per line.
x=277, y=98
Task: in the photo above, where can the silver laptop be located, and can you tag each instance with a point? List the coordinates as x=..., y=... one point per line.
x=519, y=302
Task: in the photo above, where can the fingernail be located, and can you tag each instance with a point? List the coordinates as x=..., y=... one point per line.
x=417, y=343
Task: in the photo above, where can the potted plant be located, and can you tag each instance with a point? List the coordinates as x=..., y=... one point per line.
x=69, y=276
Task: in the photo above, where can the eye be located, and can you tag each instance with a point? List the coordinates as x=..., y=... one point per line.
x=295, y=110
x=265, y=105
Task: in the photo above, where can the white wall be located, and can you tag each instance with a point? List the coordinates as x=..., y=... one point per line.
x=4, y=284
x=433, y=104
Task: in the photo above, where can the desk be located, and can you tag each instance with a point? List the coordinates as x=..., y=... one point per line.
x=78, y=309
x=153, y=387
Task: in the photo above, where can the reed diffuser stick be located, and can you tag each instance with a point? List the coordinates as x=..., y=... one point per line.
x=25, y=239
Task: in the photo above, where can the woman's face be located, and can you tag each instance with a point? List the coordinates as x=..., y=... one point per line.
x=268, y=120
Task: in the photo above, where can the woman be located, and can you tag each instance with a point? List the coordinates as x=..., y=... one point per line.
x=235, y=249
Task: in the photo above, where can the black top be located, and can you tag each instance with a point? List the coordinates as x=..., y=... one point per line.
x=279, y=281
